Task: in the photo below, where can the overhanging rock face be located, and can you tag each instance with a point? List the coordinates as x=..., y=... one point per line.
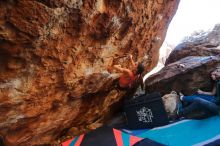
x=54, y=56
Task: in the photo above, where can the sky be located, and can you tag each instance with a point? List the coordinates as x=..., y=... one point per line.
x=193, y=15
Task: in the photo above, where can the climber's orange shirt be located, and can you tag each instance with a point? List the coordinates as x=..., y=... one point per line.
x=126, y=80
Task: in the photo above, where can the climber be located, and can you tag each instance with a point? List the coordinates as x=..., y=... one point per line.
x=130, y=77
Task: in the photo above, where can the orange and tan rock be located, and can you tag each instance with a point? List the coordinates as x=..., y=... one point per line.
x=54, y=56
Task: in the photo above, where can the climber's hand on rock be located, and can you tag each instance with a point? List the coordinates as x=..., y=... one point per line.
x=131, y=57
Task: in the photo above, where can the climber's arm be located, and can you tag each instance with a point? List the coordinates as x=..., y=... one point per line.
x=132, y=61
x=122, y=70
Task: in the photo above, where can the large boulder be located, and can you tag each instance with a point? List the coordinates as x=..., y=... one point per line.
x=54, y=56
x=186, y=75
x=199, y=44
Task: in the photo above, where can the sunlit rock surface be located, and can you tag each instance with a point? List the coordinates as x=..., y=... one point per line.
x=186, y=75
x=199, y=44
x=54, y=56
